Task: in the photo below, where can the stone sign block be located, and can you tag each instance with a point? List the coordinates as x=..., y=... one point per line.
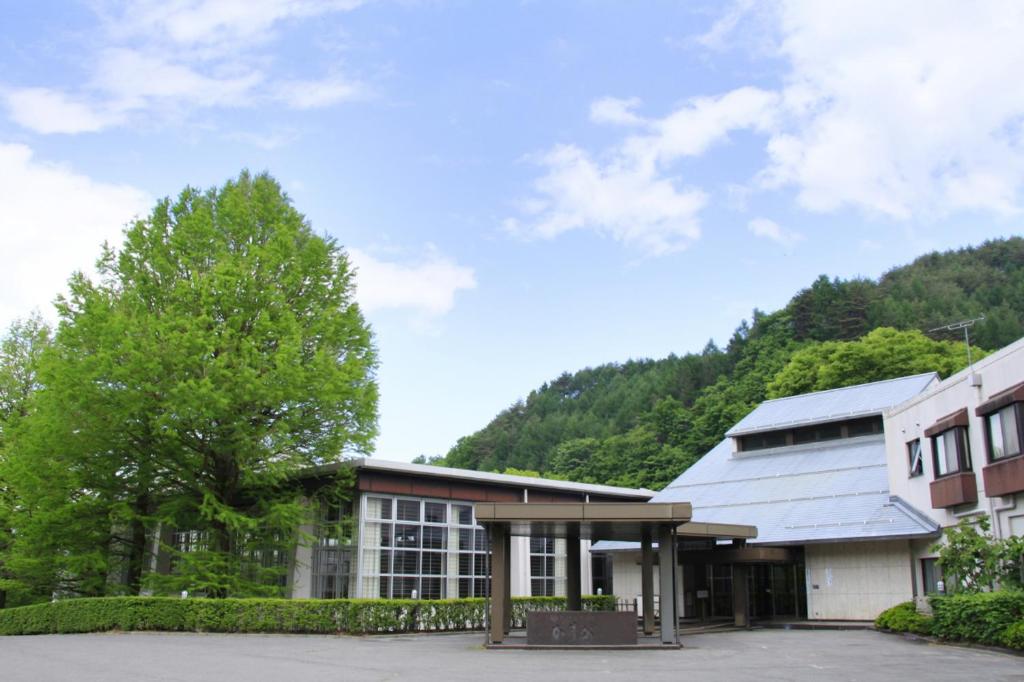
x=580, y=628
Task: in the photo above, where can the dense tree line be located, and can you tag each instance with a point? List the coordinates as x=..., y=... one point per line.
x=645, y=421
x=218, y=353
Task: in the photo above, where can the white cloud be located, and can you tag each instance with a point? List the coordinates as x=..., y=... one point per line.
x=622, y=198
x=165, y=58
x=317, y=94
x=53, y=223
x=630, y=193
x=615, y=110
x=217, y=22
x=908, y=109
x=50, y=111
x=426, y=287
x=769, y=229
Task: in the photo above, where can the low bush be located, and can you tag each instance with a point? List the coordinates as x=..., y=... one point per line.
x=325, y=616
x=995, y=618
x=904, y=618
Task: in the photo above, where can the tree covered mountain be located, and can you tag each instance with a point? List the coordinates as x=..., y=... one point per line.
x=642, y=422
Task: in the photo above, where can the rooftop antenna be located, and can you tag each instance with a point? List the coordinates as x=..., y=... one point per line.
x=966, y=325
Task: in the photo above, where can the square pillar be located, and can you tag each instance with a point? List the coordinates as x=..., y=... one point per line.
x=573, y=584
x=500, y=582
x=507, y=594
x=666, y=575
x=740, y=595
x=647, y=581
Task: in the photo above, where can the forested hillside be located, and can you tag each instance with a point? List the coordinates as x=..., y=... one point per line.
x=642, y=422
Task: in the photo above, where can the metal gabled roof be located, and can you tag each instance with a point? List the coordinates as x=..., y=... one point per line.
x=486, y=477
x=836, y=404
x=837, y=490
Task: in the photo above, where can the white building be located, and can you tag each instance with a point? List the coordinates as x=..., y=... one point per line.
x=954, y=452
x=810, y=473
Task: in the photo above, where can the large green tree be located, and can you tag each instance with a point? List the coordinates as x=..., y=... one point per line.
x=884, y=353
x=219, y=352
x=20, y=349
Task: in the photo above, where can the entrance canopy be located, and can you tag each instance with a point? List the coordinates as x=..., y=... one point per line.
x=625, y=521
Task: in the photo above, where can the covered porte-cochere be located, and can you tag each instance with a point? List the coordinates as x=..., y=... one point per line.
x=642, y=522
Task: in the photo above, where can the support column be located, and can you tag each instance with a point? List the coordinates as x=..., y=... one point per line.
x=507, y=625
x=740, y=595
x=647, y=581
x=499, y=580
x=573, y=583
x=666, y=547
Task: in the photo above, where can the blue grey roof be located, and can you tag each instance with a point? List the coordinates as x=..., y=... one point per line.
x=838, y=403
x=836, y=490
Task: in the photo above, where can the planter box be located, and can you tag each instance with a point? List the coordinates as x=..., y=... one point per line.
x=954, y=490
x=1004, y=477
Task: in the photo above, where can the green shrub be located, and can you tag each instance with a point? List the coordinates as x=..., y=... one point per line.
x=1013, y=636
x=326, y=616
x=904, y=618
x=986, y=618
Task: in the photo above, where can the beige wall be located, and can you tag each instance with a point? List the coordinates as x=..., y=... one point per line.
x=626, y=580
x=908, y=421
x=857, y=580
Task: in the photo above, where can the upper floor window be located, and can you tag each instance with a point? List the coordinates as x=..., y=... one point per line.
x=915, y=462
x=951, y=451
x=1003, y=429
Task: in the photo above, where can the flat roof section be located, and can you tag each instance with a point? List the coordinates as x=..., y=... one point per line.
x=624, y=521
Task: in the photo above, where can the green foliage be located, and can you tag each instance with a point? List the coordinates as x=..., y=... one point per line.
x=993, y=618
x=219, y=352
x=904, y=618
x=883, y=353
x=324, y=616
x=566, y=426
x=970, y=557
x=20, y=351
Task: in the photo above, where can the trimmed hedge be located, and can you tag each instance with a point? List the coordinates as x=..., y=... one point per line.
x=904, y=618
x=323, y=616
x=995, y=618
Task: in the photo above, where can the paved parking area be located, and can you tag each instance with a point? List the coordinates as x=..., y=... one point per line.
x=755, y=655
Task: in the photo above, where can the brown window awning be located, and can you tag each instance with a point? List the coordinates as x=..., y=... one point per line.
x=958, y=418
x=1014, y=394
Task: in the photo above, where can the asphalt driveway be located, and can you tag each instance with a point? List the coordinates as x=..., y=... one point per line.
x=754, y=655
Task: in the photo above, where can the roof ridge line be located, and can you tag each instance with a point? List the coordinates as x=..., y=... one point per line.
x=846, y=388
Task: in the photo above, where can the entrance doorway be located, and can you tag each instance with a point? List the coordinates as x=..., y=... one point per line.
x=776, y=590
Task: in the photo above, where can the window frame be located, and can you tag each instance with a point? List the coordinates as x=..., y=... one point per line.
x=1015, y=410
x=912, y=470
x=396, y=556
x=963, y=451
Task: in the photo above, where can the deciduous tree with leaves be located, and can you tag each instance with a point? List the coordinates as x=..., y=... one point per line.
x=219, y=352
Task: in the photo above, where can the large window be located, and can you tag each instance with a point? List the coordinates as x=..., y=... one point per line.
x=333, y=574
x=951, y=451
x=426, y=549
x=547, y=567
x=915, y=462
x=1003, y=431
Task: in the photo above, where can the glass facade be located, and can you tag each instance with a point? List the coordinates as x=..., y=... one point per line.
x=333, y=575
x=547, y=567
x=421, y=548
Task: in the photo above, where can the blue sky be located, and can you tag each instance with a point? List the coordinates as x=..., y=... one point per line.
x=526, y=188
